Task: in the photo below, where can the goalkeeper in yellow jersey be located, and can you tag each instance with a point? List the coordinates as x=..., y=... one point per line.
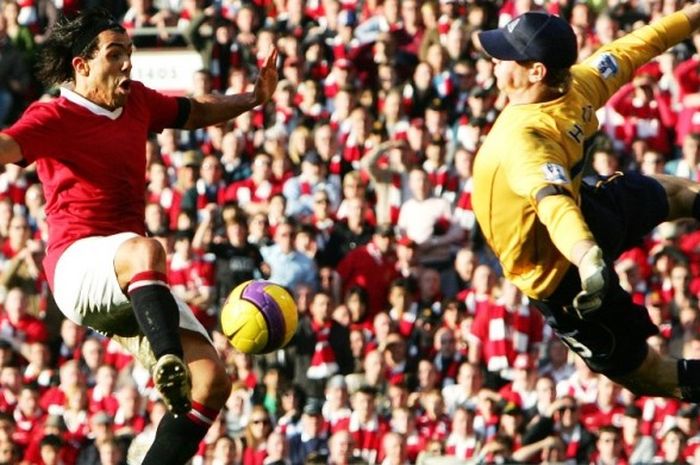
x=555, y=236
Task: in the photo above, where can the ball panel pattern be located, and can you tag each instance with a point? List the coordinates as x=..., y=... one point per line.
x=259, y=317
x=288, y=310
x=255, y=293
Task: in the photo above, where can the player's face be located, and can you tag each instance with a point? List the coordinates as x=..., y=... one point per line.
x=510, y=76
x=108, y=71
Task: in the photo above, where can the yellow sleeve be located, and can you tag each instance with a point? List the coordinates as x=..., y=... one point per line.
x=604, y=72
x=541, y=163
x=564, y=221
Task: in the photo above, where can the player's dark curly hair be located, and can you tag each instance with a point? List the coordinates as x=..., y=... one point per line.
x=69, y=38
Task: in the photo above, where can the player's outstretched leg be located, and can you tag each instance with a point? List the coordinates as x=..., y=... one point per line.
x=177, y=438
x=140, y=267
x=683, y=196
x=664, y=376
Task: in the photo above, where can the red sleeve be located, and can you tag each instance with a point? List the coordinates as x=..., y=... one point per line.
x=37, y=131
x=164, y=109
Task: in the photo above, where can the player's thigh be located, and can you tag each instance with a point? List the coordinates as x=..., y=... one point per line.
x=656, y=376
x=622, y=209
x=86, y=289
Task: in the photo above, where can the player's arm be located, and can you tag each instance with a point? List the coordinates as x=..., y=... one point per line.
x=10, y=151
x=543, y=177
x=540, y=173
x=210, y=109
x=613, y=65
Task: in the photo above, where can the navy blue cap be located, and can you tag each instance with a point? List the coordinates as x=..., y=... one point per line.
x=533, y=36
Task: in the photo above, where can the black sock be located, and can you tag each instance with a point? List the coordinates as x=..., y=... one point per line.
x=156, y=312
x=177, y=438
x=689, y=379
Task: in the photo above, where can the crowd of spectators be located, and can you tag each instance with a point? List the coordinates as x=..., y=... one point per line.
x=352, y=188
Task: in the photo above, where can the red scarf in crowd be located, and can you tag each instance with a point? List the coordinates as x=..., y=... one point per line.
x=323, y=364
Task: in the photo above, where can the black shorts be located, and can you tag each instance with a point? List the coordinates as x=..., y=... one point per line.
x=620, y=211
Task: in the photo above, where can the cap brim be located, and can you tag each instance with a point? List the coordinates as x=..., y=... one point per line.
x=494, y=43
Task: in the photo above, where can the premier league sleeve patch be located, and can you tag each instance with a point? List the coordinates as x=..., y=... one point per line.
x=555, y=174
x=606, y=65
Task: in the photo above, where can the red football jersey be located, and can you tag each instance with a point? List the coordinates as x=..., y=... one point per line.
x=91, y=162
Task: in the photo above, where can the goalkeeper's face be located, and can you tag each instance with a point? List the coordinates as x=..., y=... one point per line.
x=512, y=76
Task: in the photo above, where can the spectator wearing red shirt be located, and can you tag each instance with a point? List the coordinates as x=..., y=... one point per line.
x=503, y=330
x=521, y=391
x=191, y=277
x=372, y=267
x=160, y=192
x=647, y=114
x=657, y=414
x=18, y=235
x=609, y=447
x=102, y=397
x=478, y=297
x=365, y=426
x=606, y=410
x=75, y=413
x=70, y=377
x=399, y=365
x=462, y=442
x=208, y=189
x=394, y=450
x=687, y=421
x=336, y=411
x=14, y=184
x=672, y=446
x=28, y=415
x=581, y=383
x=38, y=369
x=129, y=418
x=447, y=359
x=254, y=193
x=18, y=327
x=403, y=421
x=638, y=447
x=433, y=423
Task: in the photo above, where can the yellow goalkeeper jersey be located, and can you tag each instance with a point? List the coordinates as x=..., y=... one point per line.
x=539, y=146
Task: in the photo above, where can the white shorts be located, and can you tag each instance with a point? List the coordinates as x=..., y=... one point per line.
x=87, y=292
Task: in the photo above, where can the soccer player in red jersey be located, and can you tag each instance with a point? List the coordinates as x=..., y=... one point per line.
x=88, y=145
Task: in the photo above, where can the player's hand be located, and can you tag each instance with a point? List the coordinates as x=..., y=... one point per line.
x=266, y=83
x=594, y=282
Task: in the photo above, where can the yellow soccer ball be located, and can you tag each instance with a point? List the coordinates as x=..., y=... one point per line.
x=259, y=317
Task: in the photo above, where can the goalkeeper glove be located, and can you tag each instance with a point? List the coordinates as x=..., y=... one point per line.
x=594, y=282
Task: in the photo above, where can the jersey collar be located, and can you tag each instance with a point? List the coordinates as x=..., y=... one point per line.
x=81, y=101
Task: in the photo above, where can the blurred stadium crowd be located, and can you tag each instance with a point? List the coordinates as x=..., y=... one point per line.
x=352, y=188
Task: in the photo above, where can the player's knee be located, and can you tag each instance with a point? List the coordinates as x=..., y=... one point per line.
x=145, y=254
